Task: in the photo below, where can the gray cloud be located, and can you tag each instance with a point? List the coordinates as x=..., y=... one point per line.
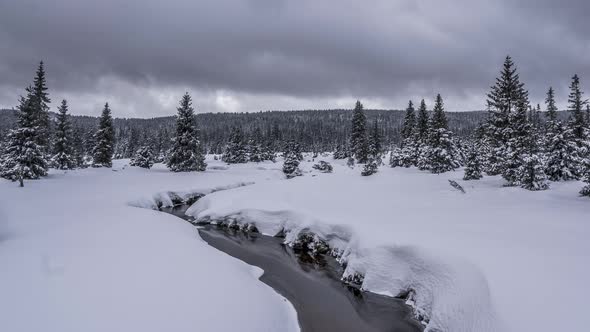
x=245, y=55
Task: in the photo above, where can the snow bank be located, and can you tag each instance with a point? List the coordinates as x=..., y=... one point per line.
x=75, y=257
x=493, y=259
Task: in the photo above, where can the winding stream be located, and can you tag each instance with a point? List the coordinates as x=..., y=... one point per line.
x=311, y=284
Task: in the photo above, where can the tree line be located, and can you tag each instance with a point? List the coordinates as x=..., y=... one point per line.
x=523, y=144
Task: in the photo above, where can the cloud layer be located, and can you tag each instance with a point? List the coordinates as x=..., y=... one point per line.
x=248, y=55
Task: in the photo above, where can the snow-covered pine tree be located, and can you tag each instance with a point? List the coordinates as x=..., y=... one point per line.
x=409, y=126
x=375, y=143
x=374, y=156
x=473, y=163
x=358, y=137
x=577, y=130
x=370, y=167
x=144, y=157
x=586, y=178
x=561, y=152
x=576, y=105
x=341, y=152
x=255, y=151
x=443, y=155
x=77, y=147
x=63, y=146
x=409, y=146
x=531, y=174
x=422, y=123
x=39, y=99
x=24, y=157
x=520, y=143
x=186, y=154
x=421, y=137
x=236, y=151
x=396, y=158
x=506, y=94
x=291, y=162
x=105, y=139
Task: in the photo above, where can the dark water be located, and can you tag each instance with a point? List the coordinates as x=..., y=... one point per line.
x=312, y=285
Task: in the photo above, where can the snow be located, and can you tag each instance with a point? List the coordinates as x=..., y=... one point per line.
x=78, y=254
x=493, y=259
x=75, y=256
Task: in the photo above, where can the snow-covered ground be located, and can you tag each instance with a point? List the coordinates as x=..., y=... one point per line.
x=76, y=255
x=492, y=259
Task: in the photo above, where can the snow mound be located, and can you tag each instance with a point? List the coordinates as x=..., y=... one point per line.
x=448, y=294
x=173, y=198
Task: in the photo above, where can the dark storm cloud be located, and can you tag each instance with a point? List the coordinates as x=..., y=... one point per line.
x=250, y=54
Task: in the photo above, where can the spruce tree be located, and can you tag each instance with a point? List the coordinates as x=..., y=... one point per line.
x=63, y=147
x=520, y=142
x=473, y=164
x=24, y=157
x=443, y=154
x=375, y=143
x=186, y=154
x=562, y=155
x=104, y=140
x=421, y=138
x=586, y=178
x=576, y=106
x=236, y=151
x=577, y=132
x=255, y=150
x=505, y=97
x=531, y=174
x=144, y=157
x=409, y=125
x=358, y=138
x=39, y=98
x=291, y=162
x=422, y=123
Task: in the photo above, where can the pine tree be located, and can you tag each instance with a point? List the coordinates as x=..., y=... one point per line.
x=506, y=96
x=24, y=157
x=473, y=164
x=358, y=138
x=255, y=150
x=375, y=144
x=186, y=154
x=443, y=154
x=562, y=154
x=409, y=125
x=105, y=140
x=236, y=151
x=341, y=152
x=586, y=177
x=531, y=174
x=39, y=98
x=577, y=132
x=576, y=105
x=422, y=121
x=63, y=147
x=370, y=167
x=143, y=158
x=291, y=162
x=520, y=142
x=77, y=147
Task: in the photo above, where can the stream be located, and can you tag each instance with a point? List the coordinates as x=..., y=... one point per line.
x=311, y=284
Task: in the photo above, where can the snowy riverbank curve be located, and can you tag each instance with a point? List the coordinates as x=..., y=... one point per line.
x=448, y=294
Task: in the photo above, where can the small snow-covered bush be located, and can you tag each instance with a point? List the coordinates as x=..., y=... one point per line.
x=323, y=167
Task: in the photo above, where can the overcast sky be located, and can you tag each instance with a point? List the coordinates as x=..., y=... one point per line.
x=250, y=55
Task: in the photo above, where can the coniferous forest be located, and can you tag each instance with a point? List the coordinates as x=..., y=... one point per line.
x=527, y=145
